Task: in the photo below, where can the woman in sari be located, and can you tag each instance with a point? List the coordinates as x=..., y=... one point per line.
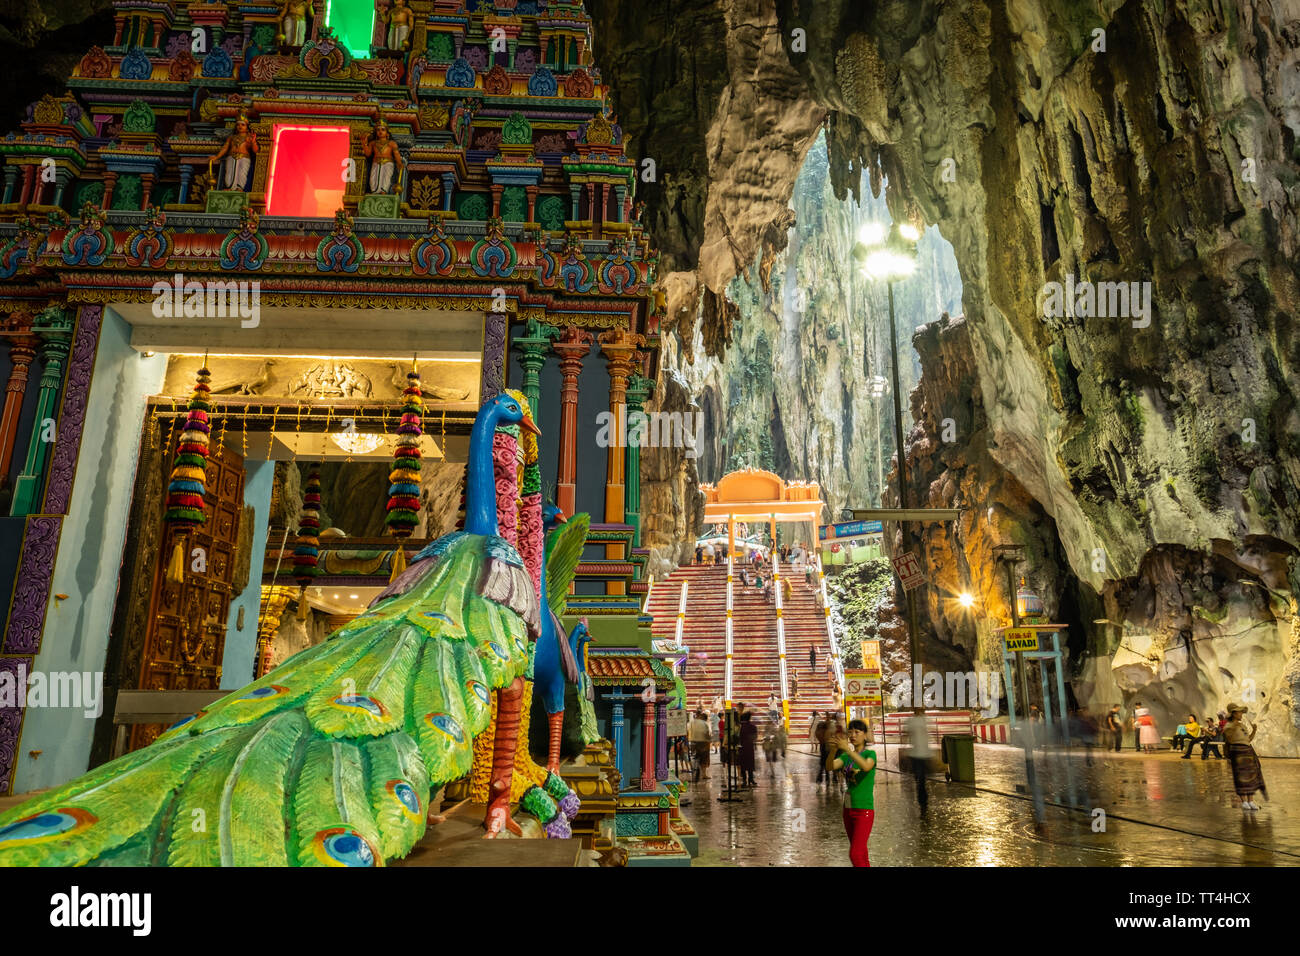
x=1247, y=777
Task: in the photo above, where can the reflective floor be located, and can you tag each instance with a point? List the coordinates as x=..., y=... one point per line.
x=1159, y=810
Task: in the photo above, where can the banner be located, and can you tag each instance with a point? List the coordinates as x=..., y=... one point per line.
x=849, y=528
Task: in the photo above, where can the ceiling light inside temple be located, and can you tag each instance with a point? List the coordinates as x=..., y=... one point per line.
x=358, y=443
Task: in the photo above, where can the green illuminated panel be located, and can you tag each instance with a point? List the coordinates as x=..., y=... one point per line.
x=353, y=22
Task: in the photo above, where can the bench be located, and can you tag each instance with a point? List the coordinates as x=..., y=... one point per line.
x=157, y=707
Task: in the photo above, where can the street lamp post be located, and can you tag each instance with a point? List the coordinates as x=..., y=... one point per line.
x=890, y=258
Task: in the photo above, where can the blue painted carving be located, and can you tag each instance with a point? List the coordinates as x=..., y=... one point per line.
x=542, y=83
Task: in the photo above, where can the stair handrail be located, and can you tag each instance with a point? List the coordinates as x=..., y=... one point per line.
x=726, y=688
x=837, y=665
x=681, y=615
x=780, y=641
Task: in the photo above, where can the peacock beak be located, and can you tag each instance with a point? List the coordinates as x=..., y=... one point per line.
x=559, y=517
x=528, y=425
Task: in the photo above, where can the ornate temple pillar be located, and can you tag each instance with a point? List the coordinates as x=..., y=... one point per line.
x=648, y=745
x=61, y=180
x=110, y=182
x=619, y=346
x=572, y=345
x=22, y=350
x=497, y=189
x=661, y=738
x=545, y=42
x=187, y=173
x=147, y=180
x=591, y=203
x=638, y=390
x=604, y=201
x=29, y=180
x=11, y=180
x=531, y=192
x=448, y=187
x=532, y=347
x=575, y=193
x=54, y=326
x=619, y=726
x=620, y=194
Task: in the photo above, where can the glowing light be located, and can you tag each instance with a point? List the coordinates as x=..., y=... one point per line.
x=308, y=164
x=354, y=596
x=966, y=600
x=357, y=443
x=909, y=232
x=872, y=233
x=354, y=24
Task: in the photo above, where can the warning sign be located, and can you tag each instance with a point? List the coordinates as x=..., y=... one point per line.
x=1021, y=639
x=676, y=722
x=860, y=688
x=908, y=568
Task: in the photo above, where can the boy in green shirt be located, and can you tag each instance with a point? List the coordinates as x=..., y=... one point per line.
x=859, y=764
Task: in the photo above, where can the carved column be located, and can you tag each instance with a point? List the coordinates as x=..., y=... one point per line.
x=619, y=725
x=661, y=738
x=110, y=183
x=532, y=347
x=531, y=192
x=11, y=180
x=638, y=390
x=571, y=347
x=54, y=326
x=619, y=346
x=575, y=193
x=497, y=189
x=604, y=207
x=22, y=350
x=648, y=746
x=29, y=180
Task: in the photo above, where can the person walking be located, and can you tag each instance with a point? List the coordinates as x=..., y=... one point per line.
x=812, y=658
x=708, y=553
x=918, y=737
x=1147, y=732
x=1247, y=775
x=820, y=736
x=1133, y=725
x=1115, y=726
x=794, y=685
x=748, y=742
x=697, y=733
x=713, y=729
x=853, y=755
x=699, y=554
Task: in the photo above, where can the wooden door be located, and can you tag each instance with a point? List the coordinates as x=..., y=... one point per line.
x=187, y=622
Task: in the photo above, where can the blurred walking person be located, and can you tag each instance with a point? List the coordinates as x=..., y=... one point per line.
x=1115, y=726
x=1147, y=732
x=698, y=734
x=918, y=752
x=1247, y=775
x=748, y=742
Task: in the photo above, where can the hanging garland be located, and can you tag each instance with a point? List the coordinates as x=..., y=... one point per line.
x=185, y=489
x=307, y=546
x=404, y=487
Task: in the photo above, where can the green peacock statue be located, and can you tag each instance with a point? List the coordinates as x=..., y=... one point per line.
x=330, y=758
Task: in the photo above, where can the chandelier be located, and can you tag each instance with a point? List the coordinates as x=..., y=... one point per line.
x=357, y=443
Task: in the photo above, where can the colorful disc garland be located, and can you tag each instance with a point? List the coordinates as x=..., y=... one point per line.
x=306, y=549
x=404, y=487
x=189, y=470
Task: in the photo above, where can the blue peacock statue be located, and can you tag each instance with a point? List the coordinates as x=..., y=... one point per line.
x=330, y=758
x=557, y=656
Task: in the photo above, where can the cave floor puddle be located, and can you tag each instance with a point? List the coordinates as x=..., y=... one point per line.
x=1160, y=810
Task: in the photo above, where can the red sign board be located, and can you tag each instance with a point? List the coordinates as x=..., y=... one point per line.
x=908, y=568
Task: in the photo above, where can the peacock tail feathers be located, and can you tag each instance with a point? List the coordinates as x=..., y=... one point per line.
x=587, y=728
x=343, y=742
x=563, y=552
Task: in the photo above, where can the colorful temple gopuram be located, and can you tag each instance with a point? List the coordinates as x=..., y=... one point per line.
x=260, y=266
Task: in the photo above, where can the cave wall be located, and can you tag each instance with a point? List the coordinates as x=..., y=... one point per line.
x=1159, y=150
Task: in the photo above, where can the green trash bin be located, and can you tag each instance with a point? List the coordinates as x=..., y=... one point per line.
x=959, y=754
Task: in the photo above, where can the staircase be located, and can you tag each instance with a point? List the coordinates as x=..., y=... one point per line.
x=755, y=666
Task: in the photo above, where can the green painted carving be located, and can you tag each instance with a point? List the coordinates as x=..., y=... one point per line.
x=138, y=118
x=472, y=206
x=127, y=193
x=517, y=131
x=263, y=36
x=226, y=201
x=550, y=213
x=440, y=48
x=92, y=192
x=378, y=206
x=636, y=824
x=168, y=194
x=514, y=204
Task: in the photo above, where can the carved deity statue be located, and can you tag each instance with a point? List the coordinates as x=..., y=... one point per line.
x=238, y=152
x=293, y=21
x=400, y=22
x=385, y=161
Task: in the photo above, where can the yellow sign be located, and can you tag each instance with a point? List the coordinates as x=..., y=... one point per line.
x=871, y=658
x=860, y=688
x=1021, y=638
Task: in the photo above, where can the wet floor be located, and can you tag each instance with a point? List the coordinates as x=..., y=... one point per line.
x=1159, y=810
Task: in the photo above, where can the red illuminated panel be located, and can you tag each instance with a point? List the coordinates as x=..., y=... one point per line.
x=308, y=165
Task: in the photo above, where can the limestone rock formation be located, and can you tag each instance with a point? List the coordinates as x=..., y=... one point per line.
x=1050, y=142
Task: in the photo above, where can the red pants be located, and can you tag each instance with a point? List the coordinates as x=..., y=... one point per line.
x=857, y=824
